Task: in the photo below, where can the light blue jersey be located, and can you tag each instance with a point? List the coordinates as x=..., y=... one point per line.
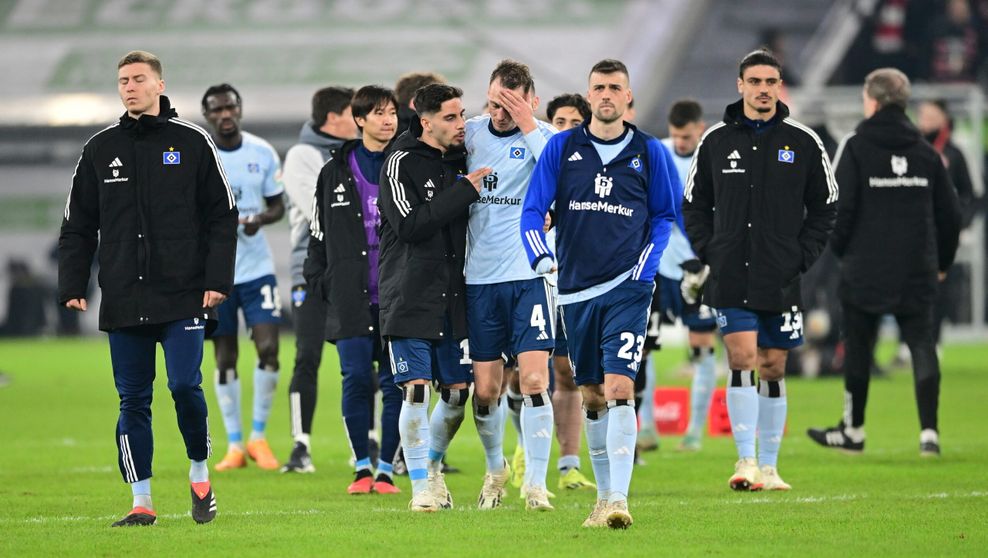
x=254, y=173
x=678, y=250
x=494, y=250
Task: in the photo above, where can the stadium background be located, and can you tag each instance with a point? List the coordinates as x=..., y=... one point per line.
x=59, y=61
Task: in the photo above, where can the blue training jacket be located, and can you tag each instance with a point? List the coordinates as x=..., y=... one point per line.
x=610, y=218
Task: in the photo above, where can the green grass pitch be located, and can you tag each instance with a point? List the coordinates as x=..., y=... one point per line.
x=60, y=488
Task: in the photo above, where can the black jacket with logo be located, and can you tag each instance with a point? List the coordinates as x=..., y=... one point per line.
x=424, y=203
x=899, y=216
x=153, y=194
x=758, y=209
x=336, y=267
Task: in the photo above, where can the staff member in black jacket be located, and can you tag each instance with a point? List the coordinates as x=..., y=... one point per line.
x=150, y=189
x=896, y=235
x=770, y=181
x=342, y=266
x=425, y=196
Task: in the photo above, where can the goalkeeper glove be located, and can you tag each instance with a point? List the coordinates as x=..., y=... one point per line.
x=695, y=274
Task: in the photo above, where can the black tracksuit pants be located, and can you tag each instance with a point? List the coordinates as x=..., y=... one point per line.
x=310, y=336
x=917, y=330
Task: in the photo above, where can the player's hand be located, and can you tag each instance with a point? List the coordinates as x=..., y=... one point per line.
x=695, y=275
x=941, y=275
x=545, y=266
x=548, y=223
x=212, y=299
x=251, y=223
x=77, y=304
x=477, y=177
x=521, y=111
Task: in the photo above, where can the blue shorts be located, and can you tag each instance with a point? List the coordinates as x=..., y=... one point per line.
x=259, y=300
x=697, y=317
x=507, y=319
x=608, y=332
x=562, y=345
x=775, y=330
x=445, y=362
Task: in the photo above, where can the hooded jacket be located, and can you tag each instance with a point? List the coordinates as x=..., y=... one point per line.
x=301, y=169
x=899, y=217
x=152, y=193
x=424, y=202
x=759, y=206
x=337, y=265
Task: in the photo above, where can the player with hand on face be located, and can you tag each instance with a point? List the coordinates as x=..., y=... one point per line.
x=510, y=309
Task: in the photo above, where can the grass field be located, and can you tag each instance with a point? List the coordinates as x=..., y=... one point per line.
x=60, y=488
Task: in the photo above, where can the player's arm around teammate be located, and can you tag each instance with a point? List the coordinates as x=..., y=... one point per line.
x=423, y=202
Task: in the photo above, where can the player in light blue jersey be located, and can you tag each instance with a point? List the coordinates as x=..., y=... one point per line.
x=676, y=300
x=615, y=191
x=510, y=309
x=254, y=172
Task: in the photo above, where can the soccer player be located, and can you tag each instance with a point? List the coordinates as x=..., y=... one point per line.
x=568, y=110
x=564, y=112
x=770, y=180
x=424, y=203
x=686, y=126
x=614, y=189
x=151, y=191
x=342, y=253
x=896, y=235
x=509, y=308
x=405, y=89
x=331, y=124
x=254, y=171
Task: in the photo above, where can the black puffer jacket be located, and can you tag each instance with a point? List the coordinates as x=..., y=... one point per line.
x=758, y=209
x=337, y=265
x=899, y=218
x=153, y=193
x=424, y=203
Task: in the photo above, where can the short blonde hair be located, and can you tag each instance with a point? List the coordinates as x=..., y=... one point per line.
x=139, y=56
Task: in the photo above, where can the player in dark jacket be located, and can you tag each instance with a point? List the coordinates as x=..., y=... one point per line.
x=152, y=192
x=896, y=235
x=342, y=267
x=769, y=179
x=424, y=201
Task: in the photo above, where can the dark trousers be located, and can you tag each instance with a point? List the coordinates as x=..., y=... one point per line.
x=917, y=329
x=357, y=358
x=132, y=351
x=310, y=335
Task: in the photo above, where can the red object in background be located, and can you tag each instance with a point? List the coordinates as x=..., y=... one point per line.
x=718, y=421
x=671, y=409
